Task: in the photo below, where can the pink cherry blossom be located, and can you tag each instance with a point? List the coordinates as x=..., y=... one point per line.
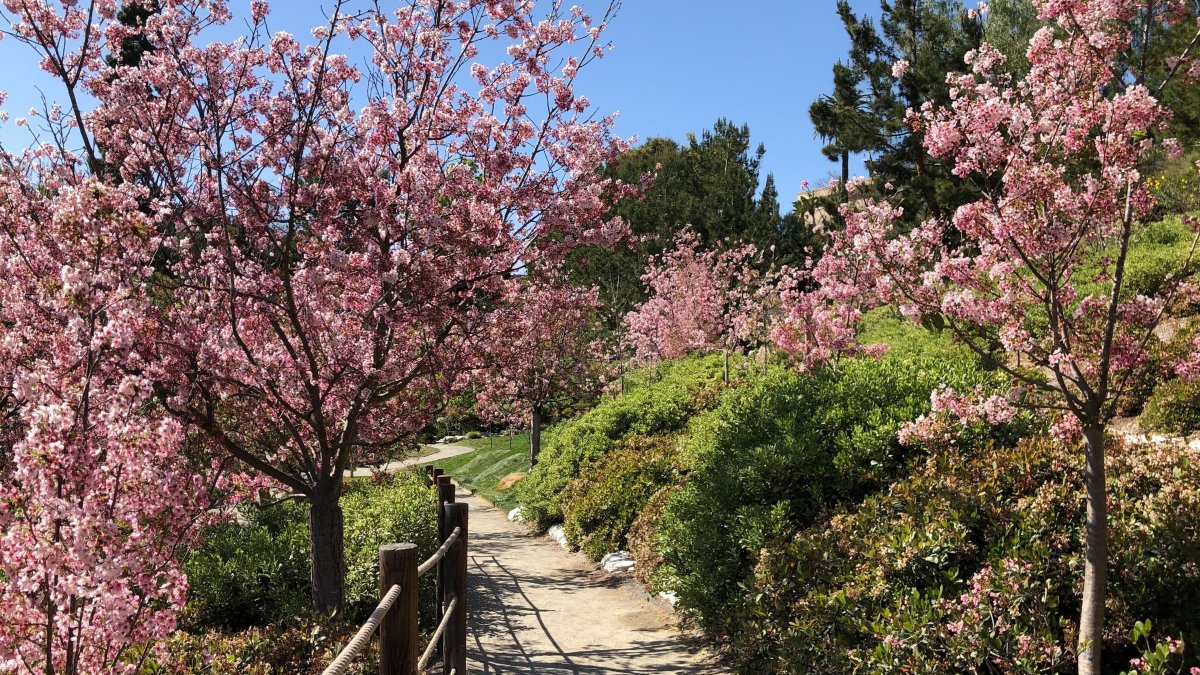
x=700, y=300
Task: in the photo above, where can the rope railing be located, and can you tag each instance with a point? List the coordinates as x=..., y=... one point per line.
x=437, y=635
x=438, y=554
x=362, y=638
x=395, y=617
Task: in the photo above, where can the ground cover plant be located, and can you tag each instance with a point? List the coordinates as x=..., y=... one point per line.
x=494, y=459
x=781, y=450
x=658, y=399
x=971, y=564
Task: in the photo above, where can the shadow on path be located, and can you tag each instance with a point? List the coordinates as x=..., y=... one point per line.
x=535, y=608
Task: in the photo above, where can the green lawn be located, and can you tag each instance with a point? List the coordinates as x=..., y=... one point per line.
x=492, y=460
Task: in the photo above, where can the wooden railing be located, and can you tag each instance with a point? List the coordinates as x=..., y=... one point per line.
x=396, y=615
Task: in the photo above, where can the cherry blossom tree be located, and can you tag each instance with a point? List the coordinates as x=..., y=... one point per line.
x=547, y=354
x=95, y=496
x=700, y=300
x=1041, y=268
x=334, y=235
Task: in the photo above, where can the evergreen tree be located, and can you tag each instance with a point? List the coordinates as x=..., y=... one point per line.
x=1009, y=25
x=897, y=66
x=710, y=184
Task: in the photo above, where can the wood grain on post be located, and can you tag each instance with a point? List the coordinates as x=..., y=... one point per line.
x=445, y=494
x=398, y=631
x=454, y=647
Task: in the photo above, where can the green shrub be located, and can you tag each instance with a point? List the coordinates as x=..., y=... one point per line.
x=1174, y=407
x=301, y=647
x=255, y=572
x=1177, y=187
x=1158, y=252
x=601, y=503
x=658, y=399
x=779, y=451
x=250, y=573
x=885, y=325
x=473, y=435
x=972, y=564
x=642, y=535
x=403, y=511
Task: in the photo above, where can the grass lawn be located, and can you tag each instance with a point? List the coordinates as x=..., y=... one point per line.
x=492, y=460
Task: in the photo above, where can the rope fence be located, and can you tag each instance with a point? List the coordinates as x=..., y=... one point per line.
x=395, y=618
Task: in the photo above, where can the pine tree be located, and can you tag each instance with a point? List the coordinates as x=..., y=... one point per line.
x=898, y=66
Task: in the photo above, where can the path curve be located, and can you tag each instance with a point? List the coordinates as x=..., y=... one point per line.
x=536, y=608
x=445, y=450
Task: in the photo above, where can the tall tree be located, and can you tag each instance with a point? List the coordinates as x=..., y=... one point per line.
x=895, y=67
x=547, y=357
x=340, y=247
x=1043, y=267
x=708, y=184
x=844, y=121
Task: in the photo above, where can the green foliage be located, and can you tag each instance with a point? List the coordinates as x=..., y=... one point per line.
x=601, y=503
x=885, y=325
x=708, y=183
x=494, y=458
x=779, y=451
x=866, y=112
x=255, y=571
x=303, y=647
x=250, y=573
x=1174, y=407
x=400, y=510
x=971, y=564
x=1158, y=252
x=658, y=399
x=1176, y=187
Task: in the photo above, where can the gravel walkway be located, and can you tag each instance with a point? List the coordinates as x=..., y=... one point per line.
x=536, y=608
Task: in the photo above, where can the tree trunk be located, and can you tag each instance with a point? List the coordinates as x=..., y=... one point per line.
x=1095, y=575
x=327, y=552
x=535, y=437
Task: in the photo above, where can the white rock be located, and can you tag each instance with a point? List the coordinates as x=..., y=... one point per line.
x=515, y=515
x=1194, y=444
x=670, y=597
x=556, y=533
x=1157, y=438
x=620, y=561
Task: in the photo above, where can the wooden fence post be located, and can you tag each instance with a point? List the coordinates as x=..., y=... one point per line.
x=445, y=495
x=398, y=630
x=437, y=472
x=454, y=647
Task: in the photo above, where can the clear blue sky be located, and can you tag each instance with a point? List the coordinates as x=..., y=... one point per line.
x=676, y=67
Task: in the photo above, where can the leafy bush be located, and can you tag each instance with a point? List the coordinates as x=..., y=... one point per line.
x=256, y=571
x=1174, y=407
x=403, y=511
x=658, y=399
x=303, y=647
x=601, y=503
x=250, y=573
x=779, y=451
x=473, y=435
x=972, y=564
x=1177, y=187
x=885, y=325
x=642, y=535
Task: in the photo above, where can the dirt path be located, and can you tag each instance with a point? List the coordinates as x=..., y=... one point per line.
x=535, y=608
x=444, y=450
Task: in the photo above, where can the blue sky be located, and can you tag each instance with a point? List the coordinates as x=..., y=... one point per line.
x=676, y=66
